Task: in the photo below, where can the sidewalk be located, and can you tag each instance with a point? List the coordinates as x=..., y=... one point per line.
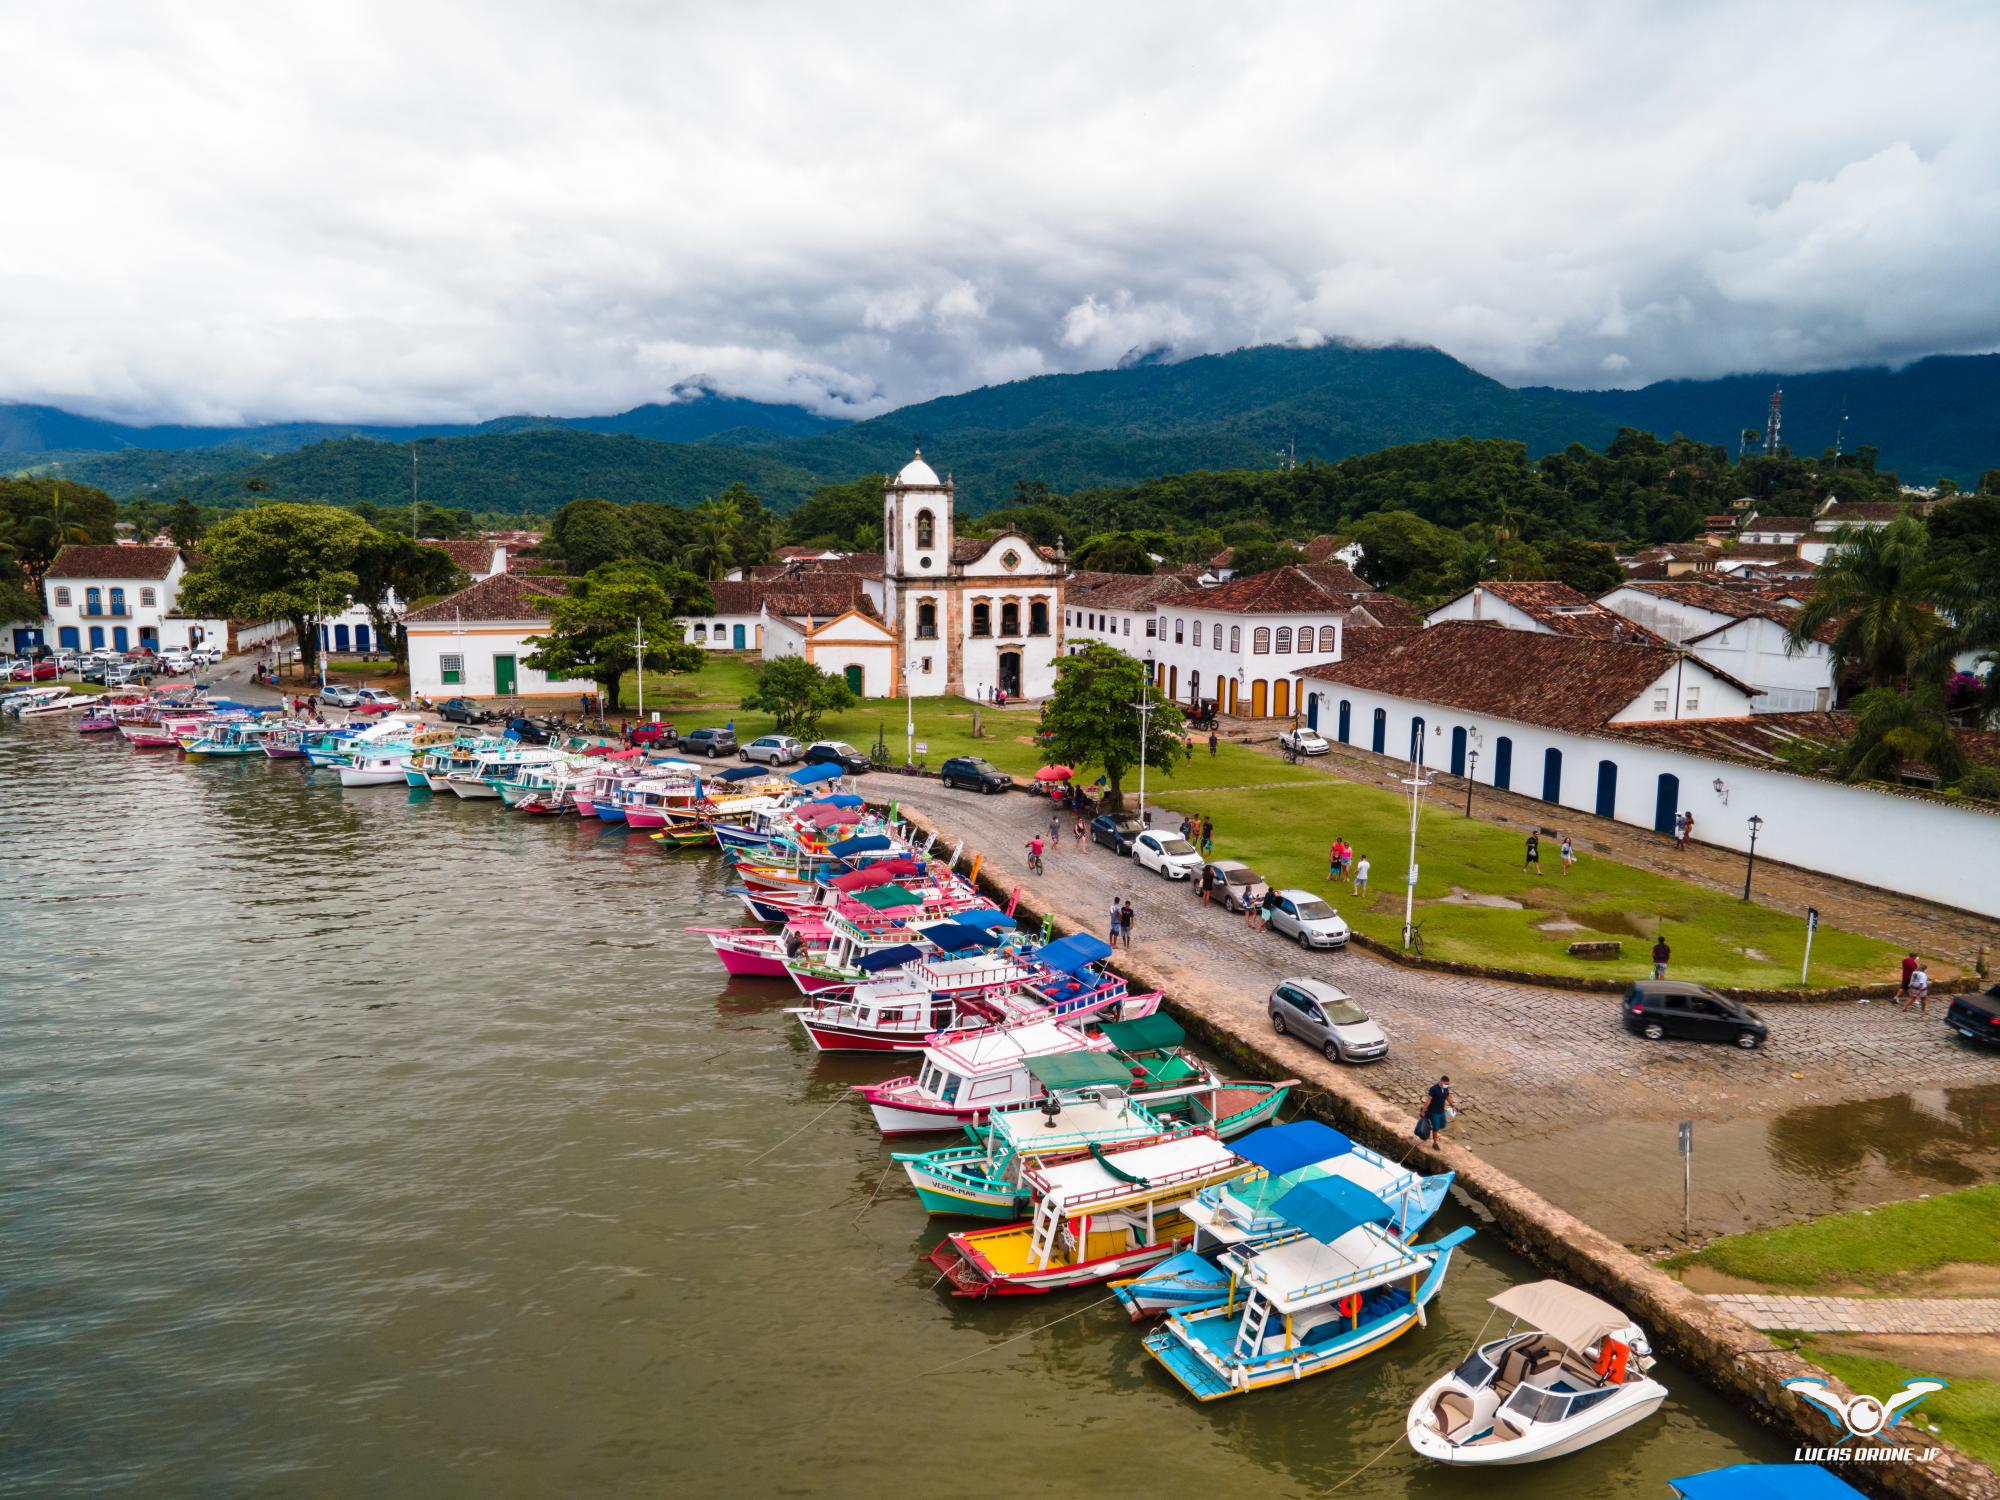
x=1937, y=932
x=1934, y=1315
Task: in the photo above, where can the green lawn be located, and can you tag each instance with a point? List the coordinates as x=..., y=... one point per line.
x=1875, y=1247
x=1967, y=1412
x=1281, y=818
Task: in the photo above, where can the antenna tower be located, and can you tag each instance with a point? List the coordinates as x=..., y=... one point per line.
x=1771, y=423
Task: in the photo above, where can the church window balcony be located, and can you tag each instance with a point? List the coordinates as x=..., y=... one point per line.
x=927, y=621
x=982, y=620
x=1038, y=618
x=1010, y=619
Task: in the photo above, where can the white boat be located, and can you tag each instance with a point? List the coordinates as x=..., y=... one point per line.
x=17, y=703
x=66, y=705
x=1575, y=1377
x=483, y=777
x=376, y=765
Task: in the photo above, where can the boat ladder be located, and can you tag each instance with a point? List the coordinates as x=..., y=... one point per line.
x=1048, y=1219
x=1250, y=1333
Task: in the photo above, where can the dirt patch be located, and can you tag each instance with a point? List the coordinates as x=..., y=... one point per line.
x=1556, y=926
x=1955, y=1280
x=1460, y=896
x=1755, y=955
x=1616, y=921
x=1711, y=1283
x=1950, y=1356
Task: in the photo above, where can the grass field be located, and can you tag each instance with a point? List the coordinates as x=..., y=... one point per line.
x=1280, y=819
x=1879, y=1247
x=1967, y=1412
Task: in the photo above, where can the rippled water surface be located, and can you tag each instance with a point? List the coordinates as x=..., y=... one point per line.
x=375, y=1142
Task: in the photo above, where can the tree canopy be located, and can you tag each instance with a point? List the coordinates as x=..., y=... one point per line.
x=1093, y=718
x=799, y=694
x=279, y=562
x=592, y=628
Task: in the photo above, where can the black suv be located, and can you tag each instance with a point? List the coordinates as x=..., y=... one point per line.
x=1115, y=831
x=837, y=753
x=709, y=742
x=973, y=774
x=1657, y=1008
x=1976, y=1016
x=464, y=711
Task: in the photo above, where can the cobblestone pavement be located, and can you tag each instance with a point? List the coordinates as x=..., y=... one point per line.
x=1939, y=932
x=1522, y=1058
x=1865, y=1314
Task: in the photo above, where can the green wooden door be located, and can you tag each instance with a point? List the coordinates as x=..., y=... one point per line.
x=503, y=676
x=854, y=681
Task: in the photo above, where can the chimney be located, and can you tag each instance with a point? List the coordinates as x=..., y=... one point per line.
x=1478, y=598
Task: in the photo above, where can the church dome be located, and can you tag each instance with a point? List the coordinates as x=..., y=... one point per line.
x=917, y=472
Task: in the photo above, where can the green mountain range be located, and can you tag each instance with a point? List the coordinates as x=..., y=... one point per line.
x=1250, y=409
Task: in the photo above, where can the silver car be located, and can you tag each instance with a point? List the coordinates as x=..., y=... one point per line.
x=774, y=750
x=1323, y=1016
x=1303, y=916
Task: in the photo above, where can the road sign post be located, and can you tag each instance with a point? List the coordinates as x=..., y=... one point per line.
x=1687, y=1179
x=1812, y=926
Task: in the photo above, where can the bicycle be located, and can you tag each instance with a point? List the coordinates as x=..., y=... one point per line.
x=1034, y=862
x=1415, y=946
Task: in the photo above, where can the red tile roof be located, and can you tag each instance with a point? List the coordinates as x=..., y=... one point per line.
x=1128, y=590
x=860, y=564
x=504, y=596
x=1557, y=607
x=82, y=560
x=472, y=554
x=1303, y=588
x=818, y=597
x=1762, y=739
x=1843, y=511
x=1562, y=682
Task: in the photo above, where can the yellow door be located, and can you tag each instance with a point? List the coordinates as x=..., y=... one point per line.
x=1232, y=696
x=1173, y=682
x=1281, y=698
x=1257, y=700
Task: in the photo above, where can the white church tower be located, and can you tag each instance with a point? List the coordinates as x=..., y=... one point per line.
x=916, y=546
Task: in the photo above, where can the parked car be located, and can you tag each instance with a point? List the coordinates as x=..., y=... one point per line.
x=118, y=673
x=1305, y=916
x=34, y=671
x=1231, y=882
x=839, y=753
x=527, y=731
x=970, y=773
x=650, y=733
x=1657, y=1008
x=1976, y=1016
x=208, y=656
x=1167, y=855
x=340, y=695
x=1303, y=742
x=1115, y=831
x=774, y=750
x=709, y=742
x=1325, y=1016
x=464, y=711
x=375, y=701
x=95, y=671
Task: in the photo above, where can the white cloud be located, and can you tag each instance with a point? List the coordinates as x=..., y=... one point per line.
x=458, y=209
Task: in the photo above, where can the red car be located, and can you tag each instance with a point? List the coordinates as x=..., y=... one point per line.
x=40, y=671
x=653, y=734
x=374, y=701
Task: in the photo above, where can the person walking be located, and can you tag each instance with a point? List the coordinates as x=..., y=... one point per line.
x=1035, y=854
x=1438, y=1110
x=1081, y=829
x=1920, y=990
x=1207, y=833
x=1117, y=921
x=1903, y=984
x=1361, y=876
x=1661, y=954
x=1187, y=744
x=1534, y=859
x=1568, y=853
x=1055, y=829
x=1125, y=921
x=1187, y=829
x=1687, y=829
x=1212, y=742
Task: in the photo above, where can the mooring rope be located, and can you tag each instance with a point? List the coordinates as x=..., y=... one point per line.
x=988, y=1349
x=871, y=1197
x=795, y=1134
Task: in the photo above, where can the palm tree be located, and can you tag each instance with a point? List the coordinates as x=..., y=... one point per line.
x=716, y=524
x=1892, y=728
x=1880, y=590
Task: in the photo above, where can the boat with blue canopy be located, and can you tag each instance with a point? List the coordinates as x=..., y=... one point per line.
x=1765, y=1482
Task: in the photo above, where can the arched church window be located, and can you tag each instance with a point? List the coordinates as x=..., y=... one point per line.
x=1038, y=618
x=926, y=529
x=927, y=621
x=1284, y=639
x=982, y=619
x=1010, y=619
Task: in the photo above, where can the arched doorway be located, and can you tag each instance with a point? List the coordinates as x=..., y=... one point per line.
x=736, y=637
x=853, y=675
x=1194, y=687
x=1346, y=730
x=1458, y=749
x=1552, y=775
x=1417, y=738
x=1503, y=763
x=1607, y=789
x=1381, y=740
x=1281, y=699
x=1010, y=673
x=1232, y=697
x=1259, y=701
x=1666, y=803
x=361, y=638
x=1173, y=682
x=120, y=638
x=340, y=637
x=1312, y=712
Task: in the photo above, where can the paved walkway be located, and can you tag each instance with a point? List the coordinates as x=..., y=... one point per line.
x=1939, y=932
x=1865, y=1314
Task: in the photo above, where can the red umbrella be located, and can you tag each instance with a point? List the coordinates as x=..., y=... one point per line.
x=1054, y=773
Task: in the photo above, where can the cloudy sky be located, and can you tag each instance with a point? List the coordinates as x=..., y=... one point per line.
x=225, y=211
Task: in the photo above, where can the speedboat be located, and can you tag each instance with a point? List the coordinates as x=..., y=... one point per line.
x=1577, y=1375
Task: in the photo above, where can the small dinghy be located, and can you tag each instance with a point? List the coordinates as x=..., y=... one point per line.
x=1575, y=1377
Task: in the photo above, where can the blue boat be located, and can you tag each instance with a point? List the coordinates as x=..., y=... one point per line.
x=1765, y=1482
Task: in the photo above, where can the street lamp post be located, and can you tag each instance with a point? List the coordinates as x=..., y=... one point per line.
x=1145, y=707
x=639, y=660
x=909, y=719
x=1750, y=869
x=1417, y=782
x=1471, y=775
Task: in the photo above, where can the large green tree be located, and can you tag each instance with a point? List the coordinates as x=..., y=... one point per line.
x=799, y=694
x=391, y=563
x=592, y=628
x=1894, y=728
x=48, y=514
x=1093, y=718
x=1880, y=590
x=283, y=561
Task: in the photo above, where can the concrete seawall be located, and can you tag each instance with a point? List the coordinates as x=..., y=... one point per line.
x=1737, y=1360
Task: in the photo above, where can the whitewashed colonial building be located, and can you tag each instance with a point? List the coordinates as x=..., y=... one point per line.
x=122, y=598
x=1548, y=608
x=477, y=641
x=1737, y=633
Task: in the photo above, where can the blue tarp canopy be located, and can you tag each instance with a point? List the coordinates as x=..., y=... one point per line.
x=1328, y=1207
x=886, y=958
x=1765, y=1482
x=742, y=773
x=867, y=843
x=819, y=770
x=1279, y=1149
x=1067, y=955
x=841, y=799
x=953, y=938
x=986, y=919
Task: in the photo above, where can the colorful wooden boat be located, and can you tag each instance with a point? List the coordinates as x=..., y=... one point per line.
x=965, y=1076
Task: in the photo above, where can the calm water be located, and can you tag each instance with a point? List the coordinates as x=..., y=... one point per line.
x=374, y=1142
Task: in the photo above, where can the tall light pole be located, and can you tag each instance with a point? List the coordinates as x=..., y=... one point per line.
x=1750, y=869
x=909, y=719
x=1145, y=707
x=1417, y=782
x=639, y=661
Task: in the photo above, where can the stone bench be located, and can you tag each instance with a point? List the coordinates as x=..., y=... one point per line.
x=1602, y=948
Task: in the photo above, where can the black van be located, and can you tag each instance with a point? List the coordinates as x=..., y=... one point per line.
x=1976, y=1016
x=1656, y=1008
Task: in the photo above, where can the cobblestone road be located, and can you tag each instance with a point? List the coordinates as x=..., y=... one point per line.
x=1865, y=1314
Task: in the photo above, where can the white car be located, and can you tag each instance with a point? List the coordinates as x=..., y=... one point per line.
x=774, y=750
x=1304, y=915
x=1303, y=742
x=1167, y=854
x=340, y=695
